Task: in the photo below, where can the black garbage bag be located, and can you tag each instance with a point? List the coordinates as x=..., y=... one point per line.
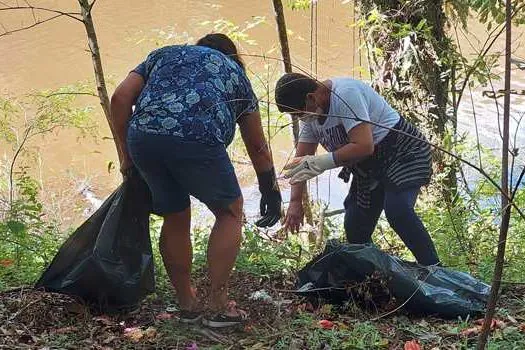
x=429, y=290
x=108, y=261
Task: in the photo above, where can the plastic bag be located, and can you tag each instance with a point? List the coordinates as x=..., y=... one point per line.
x=108, y=260
x=429, y=290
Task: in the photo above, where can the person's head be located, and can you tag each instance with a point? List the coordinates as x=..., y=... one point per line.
x=222, y=43
x=297, y=93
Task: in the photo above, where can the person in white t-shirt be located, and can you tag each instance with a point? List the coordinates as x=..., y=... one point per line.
x=389, y=158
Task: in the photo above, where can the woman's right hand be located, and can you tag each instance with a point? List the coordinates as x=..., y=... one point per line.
x=294, y=216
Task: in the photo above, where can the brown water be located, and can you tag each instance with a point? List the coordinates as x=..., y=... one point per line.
x=54, y=54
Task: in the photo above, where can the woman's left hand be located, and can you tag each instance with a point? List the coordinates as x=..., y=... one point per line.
x=125, y=165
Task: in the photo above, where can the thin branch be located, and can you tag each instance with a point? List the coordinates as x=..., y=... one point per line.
x=520, y=178
x=478, y=144
x=29, y=26
x=486, y=48
x=92, y=4
x=505, y=217
x=68, y=93
x=71, y=15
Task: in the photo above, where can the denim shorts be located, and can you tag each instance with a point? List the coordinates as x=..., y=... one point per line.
x=174, y=170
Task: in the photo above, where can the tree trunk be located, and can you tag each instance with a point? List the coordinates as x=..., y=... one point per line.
x=287, y=61
x=86, y=8
x=285, y=52
x=505, y=207
x=439, y=87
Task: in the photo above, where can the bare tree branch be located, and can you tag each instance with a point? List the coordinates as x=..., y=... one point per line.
x=69, y=93
x=92, y=4
x=505, y=205
x=72, y=15
x=33, y=9
x=29, y=26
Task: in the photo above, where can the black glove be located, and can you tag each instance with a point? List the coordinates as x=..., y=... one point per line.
x=270, y=199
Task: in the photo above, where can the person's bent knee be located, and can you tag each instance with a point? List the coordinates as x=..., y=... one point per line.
x=233, y=209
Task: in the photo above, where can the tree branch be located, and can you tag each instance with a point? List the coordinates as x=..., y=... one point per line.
x=72, y=15
x=8, y=32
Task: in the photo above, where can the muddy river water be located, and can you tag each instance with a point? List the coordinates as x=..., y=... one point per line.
x=54, y=54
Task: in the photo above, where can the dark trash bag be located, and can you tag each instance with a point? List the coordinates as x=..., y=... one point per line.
x=431, y=290
x=108, y=260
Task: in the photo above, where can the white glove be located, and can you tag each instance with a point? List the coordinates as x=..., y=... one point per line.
x=307, y=167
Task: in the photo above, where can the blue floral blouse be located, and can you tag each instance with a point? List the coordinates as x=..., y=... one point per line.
x=193, y=93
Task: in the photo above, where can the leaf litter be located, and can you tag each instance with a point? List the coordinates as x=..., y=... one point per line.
x=33, y=319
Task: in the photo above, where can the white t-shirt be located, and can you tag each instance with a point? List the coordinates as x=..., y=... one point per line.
x=349, y=98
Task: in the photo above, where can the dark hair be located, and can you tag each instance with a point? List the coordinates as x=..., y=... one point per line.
x=222, y=43
x=291, y=90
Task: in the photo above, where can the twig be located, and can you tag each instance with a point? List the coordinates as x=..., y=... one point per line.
x=334, y=212
x=69, y=93
x=71, y=15
x=29, y=26
x=505, y=217
x=404, y=303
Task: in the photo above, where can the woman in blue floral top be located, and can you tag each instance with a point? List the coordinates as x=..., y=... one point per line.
x=188, y=100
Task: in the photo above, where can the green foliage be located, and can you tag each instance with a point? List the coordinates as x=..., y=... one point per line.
x=264, y=257
x=406, y=50
x=489, y=12
x=235, y=31
x=299, y=4
x=29, y=237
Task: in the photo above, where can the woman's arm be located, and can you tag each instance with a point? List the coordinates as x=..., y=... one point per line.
x=122, y=102
x=295, y=214
x=360, y=146
x=303, y=149
x=259, y=152
x=255, y=142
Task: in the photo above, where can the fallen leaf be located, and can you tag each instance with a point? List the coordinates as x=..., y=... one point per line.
x=192, y=346
x=494, y=324
x=6, y=262
x=470, y=331
x=521, y=327
x=134, y=334
x=150, y=332
x=164, y=316
x=305, y=307
x=412, y=345
x=326, y=324
x=65, y=330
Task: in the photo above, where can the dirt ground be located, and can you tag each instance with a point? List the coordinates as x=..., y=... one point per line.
x=32, y=319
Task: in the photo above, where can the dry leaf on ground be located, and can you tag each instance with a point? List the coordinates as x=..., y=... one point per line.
x=412, y=345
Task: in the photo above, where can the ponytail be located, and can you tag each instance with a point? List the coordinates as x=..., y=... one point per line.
x=222, y=43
